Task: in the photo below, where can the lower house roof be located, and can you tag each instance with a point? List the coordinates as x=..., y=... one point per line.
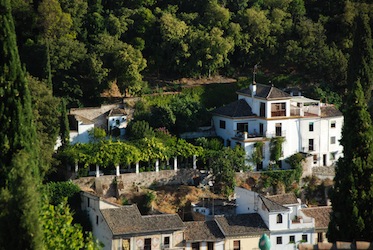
x=330, y=111
x=320, y=214
x=201, y=231
x=272, y=205
x=241, y=225
x=239, y=108
x=284, y=199
x=127, y=220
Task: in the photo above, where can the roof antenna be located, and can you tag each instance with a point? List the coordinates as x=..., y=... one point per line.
x=254, y=72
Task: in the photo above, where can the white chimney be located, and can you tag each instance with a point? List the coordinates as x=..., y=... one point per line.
x=253, y=89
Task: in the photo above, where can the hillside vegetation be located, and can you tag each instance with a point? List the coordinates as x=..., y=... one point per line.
x=82, y=46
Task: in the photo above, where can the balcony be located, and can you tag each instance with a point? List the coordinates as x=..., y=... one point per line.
x=278, y=113
x=245, y=136
x=302, y=222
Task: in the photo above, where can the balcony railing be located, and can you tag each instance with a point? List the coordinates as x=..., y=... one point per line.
x=248, y=136
x=278, y=113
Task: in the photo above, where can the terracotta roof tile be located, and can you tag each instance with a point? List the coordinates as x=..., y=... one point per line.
x=128, y=220
x=241, y=225
x=239, y=108
x=123, y=220
x=162, y=222
x=117, y=111
x=320, y=214
x=284, y=199
x=266, y=92
x=330, y=111
x=202, y=231
x=273, y=206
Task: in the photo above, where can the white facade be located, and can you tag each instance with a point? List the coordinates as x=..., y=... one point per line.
x=82, y=134
x=305, y=124
x=117, y=121
x=92, y=205
x=287, y=224
x=203, y=245
x=96, y=207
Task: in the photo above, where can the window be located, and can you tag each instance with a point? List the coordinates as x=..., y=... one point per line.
x=88, y=202
x=320, y=237
x=332, y=140
x=279, y=240
x=332, y=156
x=166, y=241
x=195, y=246
x=278, y=129
x=222, y=124
x=314, y=159
x=262, y=112
x=278, y=109
x=236, y=245
x=96, y=219
x=259, y=166
x=310, y=126
x=332, y=124
x=304, y=237
x=243, y=127
x=117, y=121
x=148, y=244
x=126, y=244
x=292, y=239
x=310, y=145
x=228, y=143
x=261, y=129
x=279, y=218
x=210, y=245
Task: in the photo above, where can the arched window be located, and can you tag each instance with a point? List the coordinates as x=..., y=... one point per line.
x=279, y=218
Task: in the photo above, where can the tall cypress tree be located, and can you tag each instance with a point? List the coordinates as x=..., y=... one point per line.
x=352, y=195
x=361, y=60
x=64, y=125
x=19, y=172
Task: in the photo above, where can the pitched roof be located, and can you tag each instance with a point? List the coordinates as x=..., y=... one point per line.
x=117, y=111
x=128, y=220
x=320, y=214
x=241, y=225
x=284, y=199
x=330, y=111
x=239, y=108
x=266, y=92
x=79, y=118
x=202, y=231
x=273, y=206
x=163, y=222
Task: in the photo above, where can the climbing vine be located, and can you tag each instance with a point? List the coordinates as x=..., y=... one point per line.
x=257, y=155
x=276, y=148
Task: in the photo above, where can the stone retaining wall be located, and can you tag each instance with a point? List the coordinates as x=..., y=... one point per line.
x=129, y=182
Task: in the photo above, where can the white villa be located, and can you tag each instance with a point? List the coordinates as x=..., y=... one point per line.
x=282, y=214
x=112, y=118
x=123, y=227
x=263, y=112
